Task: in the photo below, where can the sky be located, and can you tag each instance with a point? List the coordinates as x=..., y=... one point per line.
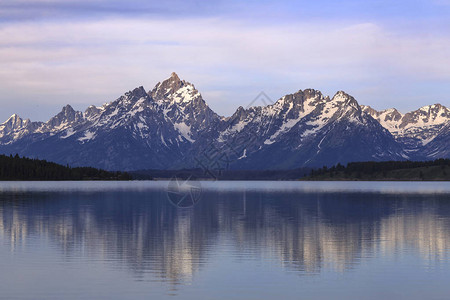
x=384, y=53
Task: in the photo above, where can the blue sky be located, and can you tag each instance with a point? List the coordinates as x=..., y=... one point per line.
x=385, y=53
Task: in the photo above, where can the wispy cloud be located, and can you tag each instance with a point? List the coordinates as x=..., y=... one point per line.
x=19, y=10
x=93, y=60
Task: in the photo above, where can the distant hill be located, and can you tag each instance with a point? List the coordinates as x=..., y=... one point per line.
x=200, y=174
x=437, y=170
x=21, y=168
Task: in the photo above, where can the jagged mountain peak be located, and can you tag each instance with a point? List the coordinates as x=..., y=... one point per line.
x=299, y=102
x=174, y=76
x=13, y=119
x=386, y=115
x=436, y=106
x=427, y=115
x=435, y=112
x=13, y=122
x=137, y=92
x=68, y=109
x=166, y=87
x=239, y=115
x=16, y=127
x=414, y=129
x=342, y=96
x=370, y=110
x=66, y=117
x=392, y=111
x=92, y=111
x=170, y=126
x=307, y=94
x=133, y=96
x=121, y=105
x=175, y=90
x=346, y=104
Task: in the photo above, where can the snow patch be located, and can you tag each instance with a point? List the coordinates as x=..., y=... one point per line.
x=244, y=155
x=184, y=130
x=185, y=94
x=88, y=135
x=162, y=140
x=283, y=129
x=69, y=132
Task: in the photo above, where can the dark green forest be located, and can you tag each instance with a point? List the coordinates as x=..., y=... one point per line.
x=22, y=168
x=435, y=170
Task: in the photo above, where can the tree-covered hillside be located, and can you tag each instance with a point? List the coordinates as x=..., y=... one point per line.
x=388, y=170
x=22, y=168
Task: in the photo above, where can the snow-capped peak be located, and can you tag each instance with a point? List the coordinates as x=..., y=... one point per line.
x=13, y=122
x=171, y=125
x=174, y=89
x=429, y=115
x=388, y=118
x=14, y=119
x=66, y=117
x=417, y=127
x=343, y=98
x=432, y=114
x=92, y=112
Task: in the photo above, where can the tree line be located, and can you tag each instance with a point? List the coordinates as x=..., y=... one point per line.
x=22, y=168
x=436, y=168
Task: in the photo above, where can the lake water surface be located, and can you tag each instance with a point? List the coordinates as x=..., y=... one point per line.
x=241, y=240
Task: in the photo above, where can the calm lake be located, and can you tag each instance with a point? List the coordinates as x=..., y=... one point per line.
x=241, y=240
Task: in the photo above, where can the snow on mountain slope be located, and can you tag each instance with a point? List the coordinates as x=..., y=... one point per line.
x=439, y=146
x=15, y=128
x=414, y=129
x=155, y=128
x=389, y=118
x=171, y=126
x=183, y=106
x=269, y=122
x=301, y=129
x=14, y=122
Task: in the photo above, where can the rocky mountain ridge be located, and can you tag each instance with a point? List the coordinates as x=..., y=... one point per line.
x=413, y=129
x=171, y=126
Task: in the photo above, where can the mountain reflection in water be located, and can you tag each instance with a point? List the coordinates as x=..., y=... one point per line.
x=302, y=232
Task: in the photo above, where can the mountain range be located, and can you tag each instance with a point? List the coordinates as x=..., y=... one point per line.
x=172, y=127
